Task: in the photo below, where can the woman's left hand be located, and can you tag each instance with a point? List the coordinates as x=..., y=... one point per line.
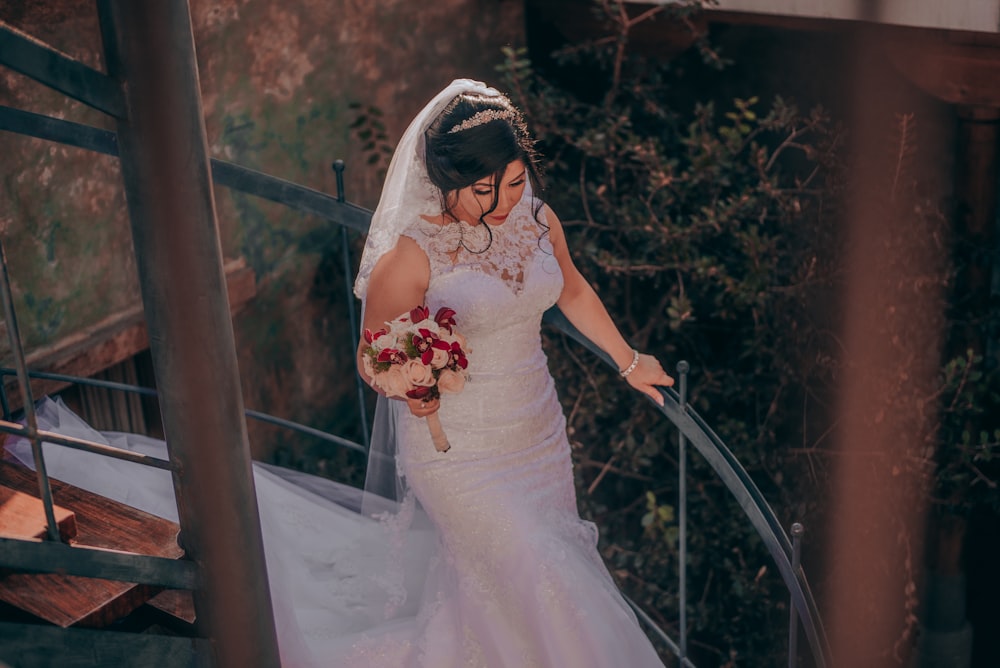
x=647, y=375
x=423, y=407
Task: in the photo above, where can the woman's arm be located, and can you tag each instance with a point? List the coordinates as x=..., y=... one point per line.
x=581, y=305
x=398, y=283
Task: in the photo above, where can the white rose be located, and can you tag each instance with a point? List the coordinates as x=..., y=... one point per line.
x=393, y=381
x=366, y=364
x=451, y=382
x=382, y=342
x=397, y=327
x=418, y=373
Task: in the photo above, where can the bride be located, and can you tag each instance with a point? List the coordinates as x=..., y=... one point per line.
x=457, y=226
x=473, y=557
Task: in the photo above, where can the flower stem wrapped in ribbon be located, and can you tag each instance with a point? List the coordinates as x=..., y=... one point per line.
x=419, y=357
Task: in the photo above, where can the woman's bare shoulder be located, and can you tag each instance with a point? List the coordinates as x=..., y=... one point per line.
x=399, y=280
x=556, y=234
x=548, y=213
x=406, y=261
x=438, y=221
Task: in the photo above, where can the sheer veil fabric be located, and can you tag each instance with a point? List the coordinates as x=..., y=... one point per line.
x=333, y=572
x=406, y=195
x=408, y=192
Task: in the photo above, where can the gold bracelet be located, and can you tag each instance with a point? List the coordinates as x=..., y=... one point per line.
x=624, y=373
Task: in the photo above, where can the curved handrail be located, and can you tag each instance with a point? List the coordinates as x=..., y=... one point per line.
x=231, y=175
x=150, y=392
x=664, y=638
x=740, y=485
x=694, y=428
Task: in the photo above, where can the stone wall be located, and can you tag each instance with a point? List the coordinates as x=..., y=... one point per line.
x=280, y=84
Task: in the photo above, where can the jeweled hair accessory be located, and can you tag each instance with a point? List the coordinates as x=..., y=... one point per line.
x=485, y=116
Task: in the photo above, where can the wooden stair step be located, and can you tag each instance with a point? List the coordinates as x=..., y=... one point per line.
x=23, y=516
x=68, y=600
x=177, y=603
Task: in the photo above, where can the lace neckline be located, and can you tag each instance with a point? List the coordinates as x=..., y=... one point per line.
x=502, y=251
x=474, y=239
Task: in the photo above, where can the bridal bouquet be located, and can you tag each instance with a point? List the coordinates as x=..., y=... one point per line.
x=419, y=357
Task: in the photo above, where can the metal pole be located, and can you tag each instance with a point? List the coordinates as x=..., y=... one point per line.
x=4, y=403
x=793, y=615
x=338, y=167
x=149, y=47
x=682, y=372
x=44, y=489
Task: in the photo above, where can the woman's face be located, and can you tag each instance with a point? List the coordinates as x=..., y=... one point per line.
x=475, y=200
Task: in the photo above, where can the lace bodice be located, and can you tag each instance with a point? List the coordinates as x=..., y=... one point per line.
x=524, y=585
x=499, y=288
x=499, y=291
x=503, y=251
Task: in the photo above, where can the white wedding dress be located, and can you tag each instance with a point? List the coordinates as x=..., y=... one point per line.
x=486, y=561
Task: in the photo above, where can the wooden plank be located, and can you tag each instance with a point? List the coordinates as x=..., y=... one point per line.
x=177, y=603
x=974, y=15
x=36, y=646
x=113, y=340
x=68, y=600
x=950, y=66
x=22, y=516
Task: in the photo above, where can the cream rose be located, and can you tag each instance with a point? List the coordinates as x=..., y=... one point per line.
x=418, y=373
x=451, y=382
x=440, y=358
x=393, y=381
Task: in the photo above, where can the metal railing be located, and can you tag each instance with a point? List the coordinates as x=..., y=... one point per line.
x=694, y=430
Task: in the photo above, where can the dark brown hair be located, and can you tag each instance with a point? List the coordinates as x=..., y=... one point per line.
x=456, y=160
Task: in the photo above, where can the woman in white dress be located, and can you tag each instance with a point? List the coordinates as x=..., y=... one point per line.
x=471, y=558
x=522, y=583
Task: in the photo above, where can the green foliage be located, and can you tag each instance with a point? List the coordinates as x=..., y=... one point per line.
x=368, y=128
x=968, y=459
x=659, y=522
x=714, y=234
x=706, y=234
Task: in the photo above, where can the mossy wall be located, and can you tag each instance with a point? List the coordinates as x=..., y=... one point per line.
x=278, y=82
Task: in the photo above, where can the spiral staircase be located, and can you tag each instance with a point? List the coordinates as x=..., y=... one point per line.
x=81, y=575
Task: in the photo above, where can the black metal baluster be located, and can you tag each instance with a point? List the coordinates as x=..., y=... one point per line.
x=793, y=613
x=338, y=167
x=682, y=372
x=44, y=489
